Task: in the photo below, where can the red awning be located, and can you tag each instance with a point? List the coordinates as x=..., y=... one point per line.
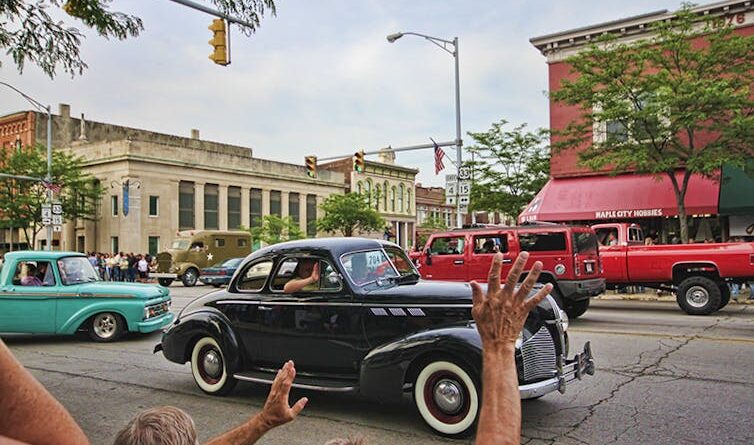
x=629, y=197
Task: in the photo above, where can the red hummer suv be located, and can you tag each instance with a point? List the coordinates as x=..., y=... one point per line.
x=570, y=255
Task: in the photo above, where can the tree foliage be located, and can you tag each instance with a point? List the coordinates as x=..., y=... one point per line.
x=349, y=214
x=21, y=200
x=510, y=167
x=678, y=103
x=426, y=228
x=29, y=31
x=275, y=229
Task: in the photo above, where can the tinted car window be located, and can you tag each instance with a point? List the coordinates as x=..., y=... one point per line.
x=255, y=275
x=447, y=246
x=490, y=244
x=585, y=242
x=542, y=241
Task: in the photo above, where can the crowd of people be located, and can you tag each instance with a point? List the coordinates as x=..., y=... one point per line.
x=122, y=266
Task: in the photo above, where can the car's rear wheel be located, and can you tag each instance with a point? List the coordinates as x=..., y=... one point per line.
x=106, y=327
x=447, y=398
x=165, y=281
x=575, y=309
x=190, y=277
x=209, y=368
x=698, y=295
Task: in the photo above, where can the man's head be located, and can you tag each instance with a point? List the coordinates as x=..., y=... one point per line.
x=305, y=266
x=165, y=425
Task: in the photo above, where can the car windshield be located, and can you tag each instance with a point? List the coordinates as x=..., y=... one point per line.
x=180, y=244
x=371, y=266
x=233, y=262
x=75, y=270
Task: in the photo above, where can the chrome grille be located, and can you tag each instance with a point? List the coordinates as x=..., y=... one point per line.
x=538, y=353
x=164, y=261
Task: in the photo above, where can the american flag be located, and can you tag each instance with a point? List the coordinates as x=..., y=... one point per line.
x=55, y=188
x=439, y=154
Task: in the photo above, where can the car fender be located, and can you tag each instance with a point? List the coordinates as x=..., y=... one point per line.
x=129, y=310
x=386, y=368
x=183, y=267
x=179, y=339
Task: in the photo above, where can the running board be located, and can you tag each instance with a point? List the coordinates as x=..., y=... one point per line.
x=311, y=383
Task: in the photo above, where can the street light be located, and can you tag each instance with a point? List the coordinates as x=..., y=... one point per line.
x=444, y=45
x=47, y=109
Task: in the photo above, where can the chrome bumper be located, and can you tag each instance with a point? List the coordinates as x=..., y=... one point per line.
x=567, y=370
x=162, y=275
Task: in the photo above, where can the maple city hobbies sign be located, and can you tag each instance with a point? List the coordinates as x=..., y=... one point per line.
x=643, y=213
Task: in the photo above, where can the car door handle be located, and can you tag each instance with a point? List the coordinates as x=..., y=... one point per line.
x=458, y=262
x=86, y=294
x=265, y=308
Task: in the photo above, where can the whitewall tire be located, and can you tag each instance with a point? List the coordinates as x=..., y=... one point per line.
x=447, y=398
x=209, y=368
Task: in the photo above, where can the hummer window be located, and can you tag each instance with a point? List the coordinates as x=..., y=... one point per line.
x=254, y=277
x=447, y=246
x=542, y=242
x=488, y=244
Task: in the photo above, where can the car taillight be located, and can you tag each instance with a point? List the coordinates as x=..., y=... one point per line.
x=222, y=272
x=576, y=265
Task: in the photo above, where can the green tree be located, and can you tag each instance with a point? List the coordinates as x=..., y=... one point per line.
x=29, y=33
x=348, y=214
x=21, y=200
x=275, y=229
x=665, y=105
x=429, y=226
x=510, y=167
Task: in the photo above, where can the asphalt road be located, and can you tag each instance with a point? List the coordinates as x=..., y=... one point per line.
x=662, y=378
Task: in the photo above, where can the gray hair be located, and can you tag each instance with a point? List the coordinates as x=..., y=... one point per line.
x=165, y=425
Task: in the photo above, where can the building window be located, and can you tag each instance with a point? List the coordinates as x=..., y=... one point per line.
x=368, y=190
x=114, y=205
x=275, y=206
x=234, y=207
x=114, y=247
x=211, y=204
x=408, y=201
x=154, y=245
x=293, y=207
x=359, y=188
x=392, y=199
x=186, y=205
x=255, y=208
x=401, y=191
x=311, y=216
x=154, y=205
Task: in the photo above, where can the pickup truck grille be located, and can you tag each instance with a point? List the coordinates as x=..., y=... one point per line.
x=164, y=261
x=538, y=354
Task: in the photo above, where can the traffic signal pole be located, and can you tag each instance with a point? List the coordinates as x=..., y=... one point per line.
x=216, y=13
x=394, y=150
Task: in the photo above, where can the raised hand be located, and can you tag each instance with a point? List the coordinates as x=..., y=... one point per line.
x=315, y=273
x=501, y=312
x=276, y=410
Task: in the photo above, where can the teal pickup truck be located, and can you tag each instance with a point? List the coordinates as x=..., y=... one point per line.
x=45, y=292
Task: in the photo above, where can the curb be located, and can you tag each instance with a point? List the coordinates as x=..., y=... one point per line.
x=745, y=299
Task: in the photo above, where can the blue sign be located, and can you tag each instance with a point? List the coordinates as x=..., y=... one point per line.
x=125, y=198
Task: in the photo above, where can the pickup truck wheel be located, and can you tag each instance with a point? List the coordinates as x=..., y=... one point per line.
x=447, y=398
x=209, y=368
x=575, y=309
x=165, y=281
x=724, y=295
x=698, y=296
x=106, y=327
x=189, y=277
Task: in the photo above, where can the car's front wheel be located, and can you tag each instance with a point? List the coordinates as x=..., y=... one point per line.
x=165, y=281
x=209, y=368
x=190, y=277
x=575, y=309
x=447, y=398
x=106, y=327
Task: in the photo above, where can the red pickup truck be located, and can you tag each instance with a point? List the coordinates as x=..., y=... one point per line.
x=569, y=255
x=697, y=273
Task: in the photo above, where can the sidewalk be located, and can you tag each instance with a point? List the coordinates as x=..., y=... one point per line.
x=651, y=295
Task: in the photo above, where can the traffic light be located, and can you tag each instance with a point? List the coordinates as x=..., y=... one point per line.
x=219, y=42
x=311, y=166
x=358, y=161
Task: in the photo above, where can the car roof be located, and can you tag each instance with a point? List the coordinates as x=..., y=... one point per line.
x=491, y=228
x=336, y=246
x=40, y=254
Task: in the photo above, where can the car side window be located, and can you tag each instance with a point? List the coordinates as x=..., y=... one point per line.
x=447, y=246
x=542, y=241
x=298, y=271
x=488, y=244
x=253, y=278
x=33, y=273
x=635, y=234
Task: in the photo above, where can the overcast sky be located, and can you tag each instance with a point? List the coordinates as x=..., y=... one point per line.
x=320, y=78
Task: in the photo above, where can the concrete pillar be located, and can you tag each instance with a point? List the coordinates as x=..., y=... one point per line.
x=284, y=195
x=302, y=211
x=265, y=202
x=172, y=212
x=198, y=206
x=222, y=207
x=245, y=196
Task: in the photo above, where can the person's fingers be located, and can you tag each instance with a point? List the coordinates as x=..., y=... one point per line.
x=529, y=282
x=493, y=280
x=477, y=295
x=532, y=302
x=516, y=270
x=299, y=406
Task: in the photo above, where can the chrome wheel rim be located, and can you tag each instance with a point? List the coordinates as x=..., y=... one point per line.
x=190, y=276
x=212, y=364
x=105, y=325
x=448, y=396
x=697, y=296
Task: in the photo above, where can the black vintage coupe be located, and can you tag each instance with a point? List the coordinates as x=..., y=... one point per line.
x=369, y=325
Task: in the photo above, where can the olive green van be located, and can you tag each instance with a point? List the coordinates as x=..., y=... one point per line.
x=193, y=250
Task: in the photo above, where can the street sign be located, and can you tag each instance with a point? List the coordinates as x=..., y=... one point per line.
x=57, y=208
x=464, y=173
x=450, y=200
x=57, y=219
x=463, y=208
x=464, y=200
x=46, y=213
x=451, y=178
x=57, y=228
x=450, y=189
x=464, y=188
x=46, y=220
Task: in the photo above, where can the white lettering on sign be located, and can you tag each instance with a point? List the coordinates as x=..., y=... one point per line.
x=627, y=214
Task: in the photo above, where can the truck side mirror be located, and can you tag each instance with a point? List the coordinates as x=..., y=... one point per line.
x=428, y=256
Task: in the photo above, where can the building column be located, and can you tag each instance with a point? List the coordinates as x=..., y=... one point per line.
x=198, y=206
x=245, y=196
x=265, y=202
x=164, y=203
x=222, y=207
x=284, y=195
x=302, y=202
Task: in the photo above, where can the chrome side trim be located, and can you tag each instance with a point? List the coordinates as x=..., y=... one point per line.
x=298, y=385
x=323, y=303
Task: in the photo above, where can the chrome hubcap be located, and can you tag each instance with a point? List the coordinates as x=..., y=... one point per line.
x=697, y=296
x=448, y=396
x=104, y=325
x=212, y=364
